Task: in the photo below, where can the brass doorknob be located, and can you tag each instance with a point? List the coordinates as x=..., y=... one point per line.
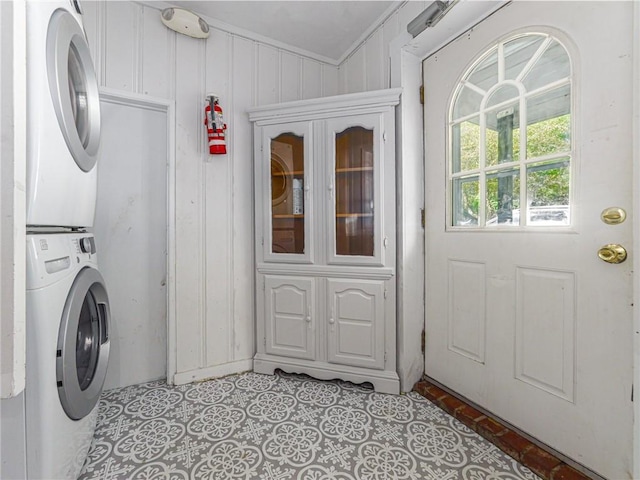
x=613, y=253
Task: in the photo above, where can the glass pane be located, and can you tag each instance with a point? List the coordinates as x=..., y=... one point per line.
x=485, y=75
x=287, y=194
x=502, y=94
x=466, y=201
x=549, y=123
x=87, y=342
x=518, y=52
x=467, y=103
x=503, y=197
x=548, y=193
x=78, y=94
x=354, y=192
x=502, y=135
x=551, y=66
x=466, y=145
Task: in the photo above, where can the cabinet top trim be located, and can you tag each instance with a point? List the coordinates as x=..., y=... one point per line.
x=334, y=104
x=336, y=271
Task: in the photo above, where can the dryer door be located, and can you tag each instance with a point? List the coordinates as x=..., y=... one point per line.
x=83, y=344
x=74, y=88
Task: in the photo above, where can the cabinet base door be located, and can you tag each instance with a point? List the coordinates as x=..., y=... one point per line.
x=289, y=326
x=356, y=323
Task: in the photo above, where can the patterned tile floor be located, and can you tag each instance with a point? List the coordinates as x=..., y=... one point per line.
x=285, y=427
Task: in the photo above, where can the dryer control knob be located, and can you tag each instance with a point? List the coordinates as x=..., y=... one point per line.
x=87, y=245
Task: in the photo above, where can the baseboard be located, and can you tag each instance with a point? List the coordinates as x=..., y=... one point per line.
x=215, y=371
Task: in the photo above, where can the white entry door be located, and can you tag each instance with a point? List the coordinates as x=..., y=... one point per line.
x=528, y=140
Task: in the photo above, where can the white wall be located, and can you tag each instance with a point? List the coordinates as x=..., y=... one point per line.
x=12, y=198
x=12, y=238
x=367, y=67
x=134, y=52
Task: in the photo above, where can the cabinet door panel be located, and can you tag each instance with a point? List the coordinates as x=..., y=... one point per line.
x=289, y=309
x=356, y=323
x=355, y=200
x=287, y=204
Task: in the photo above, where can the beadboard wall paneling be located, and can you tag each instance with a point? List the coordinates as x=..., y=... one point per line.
x=190, y=287
x=157, y=48
x=121, y=51
x=374, y=57
x=354, y=72
x=219, y=213
x=134, y=52
x=390, y=31
x=311, y=79
x=367, y=67
x=290, y=84
x=244, y=95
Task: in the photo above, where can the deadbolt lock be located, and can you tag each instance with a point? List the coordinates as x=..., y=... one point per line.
x=613, y=253
x=613, y=215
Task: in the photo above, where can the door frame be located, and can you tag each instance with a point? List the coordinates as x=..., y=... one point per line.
x=163, y=105
x=407, y=55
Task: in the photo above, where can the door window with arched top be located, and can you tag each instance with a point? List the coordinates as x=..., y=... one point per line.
x=510, y=146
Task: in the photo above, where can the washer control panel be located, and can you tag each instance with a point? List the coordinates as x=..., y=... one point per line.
x=85, y=245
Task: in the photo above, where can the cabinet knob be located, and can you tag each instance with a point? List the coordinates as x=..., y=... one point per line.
x=308, y=319
x=332, y=321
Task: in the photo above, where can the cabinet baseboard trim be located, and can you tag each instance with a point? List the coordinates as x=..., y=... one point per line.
x=382, y=381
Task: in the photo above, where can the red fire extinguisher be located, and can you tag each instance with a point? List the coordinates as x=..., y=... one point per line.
x=215, y=126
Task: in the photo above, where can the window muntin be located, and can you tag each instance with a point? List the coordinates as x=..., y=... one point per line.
x=496, y=168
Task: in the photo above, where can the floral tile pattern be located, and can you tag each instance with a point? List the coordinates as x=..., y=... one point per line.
x=284, y=427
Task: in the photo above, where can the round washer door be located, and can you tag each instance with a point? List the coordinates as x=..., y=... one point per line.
x=74, y=88
x=83, y=344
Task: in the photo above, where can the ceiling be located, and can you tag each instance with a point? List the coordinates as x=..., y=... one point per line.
x=327, y=28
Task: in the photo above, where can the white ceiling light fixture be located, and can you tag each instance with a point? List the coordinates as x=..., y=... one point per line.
x=185, y=22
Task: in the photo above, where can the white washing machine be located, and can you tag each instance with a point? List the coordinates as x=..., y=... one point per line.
x=67, y=352
x=63, y=117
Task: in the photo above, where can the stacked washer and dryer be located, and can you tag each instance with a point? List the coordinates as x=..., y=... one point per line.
x=67, y=304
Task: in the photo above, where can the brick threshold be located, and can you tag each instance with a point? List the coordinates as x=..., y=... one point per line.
x=543, y=463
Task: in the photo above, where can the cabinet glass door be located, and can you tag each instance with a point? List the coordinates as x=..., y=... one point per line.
x=356, y=190
x=288, y=201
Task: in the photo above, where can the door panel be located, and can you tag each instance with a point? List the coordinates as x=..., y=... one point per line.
x=356, y=322
x=522, y=317
x=289, y=310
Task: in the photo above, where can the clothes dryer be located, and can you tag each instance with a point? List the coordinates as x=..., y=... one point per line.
x=67, y=352
x=63, y=117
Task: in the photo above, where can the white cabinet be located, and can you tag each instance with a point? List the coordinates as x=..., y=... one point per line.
x=289, y=307
x=356, y=323
x=325, y=237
